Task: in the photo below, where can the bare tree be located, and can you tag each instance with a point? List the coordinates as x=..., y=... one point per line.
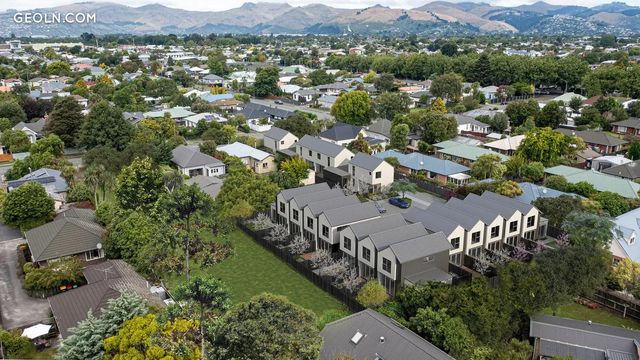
x=278, y=234
x=563, y=240
x=482, y=263
x=336, y=268
x=500, y=257
x=520, y=251
x=351, y=281
x=321, y=258
x=261, y=222
x=299, y=245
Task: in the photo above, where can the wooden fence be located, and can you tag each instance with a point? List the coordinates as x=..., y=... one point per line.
x=626, y=306
x=303, y=267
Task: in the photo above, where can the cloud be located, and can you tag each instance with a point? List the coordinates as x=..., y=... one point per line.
x=228, y=4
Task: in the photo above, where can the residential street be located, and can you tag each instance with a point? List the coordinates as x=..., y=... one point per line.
x=18, y=309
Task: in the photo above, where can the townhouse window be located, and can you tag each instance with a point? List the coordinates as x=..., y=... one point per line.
x=295, y=215
x=309, y=222
x=475, y=237
x=378, y=174
x=353, y=170
x=346, y=243
x=319, y=156
x=513, y=226
x=282, y=208
x=265, y=165
x=495, y=231
x=366, y=254
x=455, y=243
x=281, y=142
x=475, y=252
x=328, y=161
x=386, y=265
x=325, y=231
x=531, y=220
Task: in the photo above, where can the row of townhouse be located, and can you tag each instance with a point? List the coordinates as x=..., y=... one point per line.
x=480, y=222
x=384, y=248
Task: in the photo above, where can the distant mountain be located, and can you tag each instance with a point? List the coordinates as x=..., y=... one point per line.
x=434, y=18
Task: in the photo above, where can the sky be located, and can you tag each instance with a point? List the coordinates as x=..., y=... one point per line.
x=215, y=5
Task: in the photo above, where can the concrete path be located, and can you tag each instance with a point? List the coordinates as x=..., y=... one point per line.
x=18, y=309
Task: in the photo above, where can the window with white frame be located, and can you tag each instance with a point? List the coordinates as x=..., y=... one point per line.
x=93, y=254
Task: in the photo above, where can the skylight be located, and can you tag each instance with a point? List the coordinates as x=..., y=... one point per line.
x=357, y=337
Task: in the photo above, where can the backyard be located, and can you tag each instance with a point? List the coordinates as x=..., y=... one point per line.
x=253, y=270
x=599, y=315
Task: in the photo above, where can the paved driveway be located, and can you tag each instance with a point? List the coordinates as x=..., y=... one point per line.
x=18, y=309
x=8, y=233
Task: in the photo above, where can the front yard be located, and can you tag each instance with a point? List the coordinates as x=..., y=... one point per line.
x=253, y=270
x=599, y=315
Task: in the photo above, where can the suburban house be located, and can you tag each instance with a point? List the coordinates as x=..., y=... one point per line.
x=74, y=232
x=257, y=160
x=192, y=162
x=556, y=337
x=212, y=80
x=444, y=171
x=369, y=173
x=105, y=281
x=463, y=153
x=601, y=182
x=305, y=95
x=326, y=101
x=253, y=111
x=278, y=139
x=532, y=192
x=341, y=133
x=176, y=113
x=629, y=170
x=34, y=130
x=598, y=140
x=631, y=126
x=489, y=92
x=193, y=120
x=321, y=154
x=371, y=335
x=467, y=124
x=602, y=163
x=480, y=222
x=380, y=129
x=624, y=242
x=52, y=181
x=506, y=146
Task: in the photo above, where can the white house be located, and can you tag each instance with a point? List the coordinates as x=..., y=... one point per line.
x=369, y=173
x=278, y=139
x=320, y=153
x=192, y=162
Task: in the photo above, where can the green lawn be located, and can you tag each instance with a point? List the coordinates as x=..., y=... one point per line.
x=600, y=315
x=253, y=270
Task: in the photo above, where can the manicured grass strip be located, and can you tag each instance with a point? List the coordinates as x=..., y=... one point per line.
x=600, y=315
x=253, y=270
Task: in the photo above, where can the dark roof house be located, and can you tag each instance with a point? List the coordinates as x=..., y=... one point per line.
x=341, y=132
x=371, y=335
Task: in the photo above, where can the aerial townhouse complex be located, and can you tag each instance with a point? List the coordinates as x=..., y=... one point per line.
x=400, y=249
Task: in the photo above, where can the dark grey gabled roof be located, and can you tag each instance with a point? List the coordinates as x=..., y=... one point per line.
x=187, y=157
x=257, y=111
x=36, y=126
x=317, y=207
x=633, y=123
x=341, y=131
x=321, y=146
x=351, y=213
x=420, y=247
x=382, y=338
x=64, y=237
x=362, y=229
x=487, y=215
x=276, y=133
x=366, y=161
x=628, y=171
x=574, y=337
x=463, y=219
x=288, y=194
x=432, y=221
x=382, y=127
x=303, y=199
x=383, y=239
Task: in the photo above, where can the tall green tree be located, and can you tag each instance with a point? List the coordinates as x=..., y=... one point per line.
x=10, y=109
x=266, y=81
x=548, y=146
x=267, y=327
x=488, y=166
x=399, y=136
x=552, y=115
x=210, y=295
x=353, y=108
x=520, y=110
x=105, y=126
x=388, y=104
x=434, y=126
x=28, y=206
x=320, y=77
x=298, y=125
x=447, y=86
x=65, y=120
x=138, y=185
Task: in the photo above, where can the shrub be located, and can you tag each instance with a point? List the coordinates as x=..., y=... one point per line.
x=14, y=345
x=80, y=192
x=372, y=294
x=62, y=272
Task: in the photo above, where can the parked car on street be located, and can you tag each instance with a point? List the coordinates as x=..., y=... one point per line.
x=279, y=102
x=396, y=201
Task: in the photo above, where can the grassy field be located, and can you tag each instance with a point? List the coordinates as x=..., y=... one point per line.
x=602, y=316
x=253, y=270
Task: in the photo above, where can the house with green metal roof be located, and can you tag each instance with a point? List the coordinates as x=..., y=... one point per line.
x=600, y=181
x=463, y=153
